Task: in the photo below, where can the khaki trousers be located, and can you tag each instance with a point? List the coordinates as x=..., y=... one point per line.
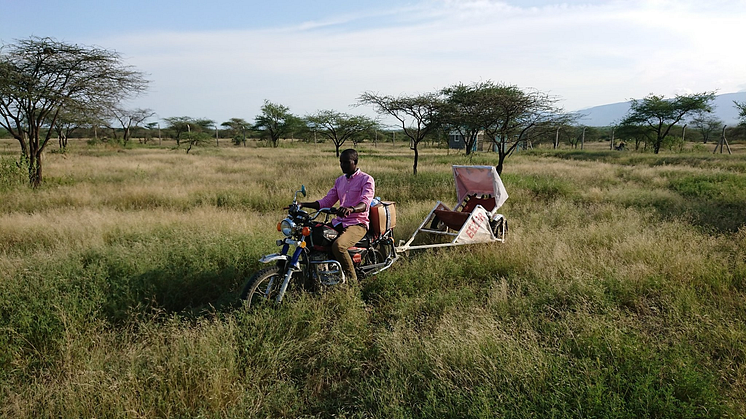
x=347, y=239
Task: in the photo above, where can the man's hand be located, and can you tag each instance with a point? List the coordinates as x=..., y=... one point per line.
x=345, y=211
x=314, y=205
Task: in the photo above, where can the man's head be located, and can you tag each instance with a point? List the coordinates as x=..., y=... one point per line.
x=348, y=161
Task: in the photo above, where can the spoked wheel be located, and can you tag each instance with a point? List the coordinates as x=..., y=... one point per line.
x=388, y=249
x=263, y=286
x=374, y=256
x=380, y=254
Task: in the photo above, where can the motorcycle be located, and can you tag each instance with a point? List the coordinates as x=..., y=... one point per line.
x=306, y=257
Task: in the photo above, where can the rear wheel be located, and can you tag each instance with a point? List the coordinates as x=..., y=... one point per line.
x=373, y=256
x=263, y=286
x=381, y=253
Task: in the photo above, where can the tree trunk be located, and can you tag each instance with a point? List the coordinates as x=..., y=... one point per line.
x=556, y=139
x=657, y=146
x=35, y=169
x=23, y=140
x=416, y=158
x=500, y=161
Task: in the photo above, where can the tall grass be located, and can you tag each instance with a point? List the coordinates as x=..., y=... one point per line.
x=619, y=293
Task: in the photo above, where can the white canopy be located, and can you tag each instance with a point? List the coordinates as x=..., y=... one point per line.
x=480, y=180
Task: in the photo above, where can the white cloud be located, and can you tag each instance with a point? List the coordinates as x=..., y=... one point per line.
x=589, y=54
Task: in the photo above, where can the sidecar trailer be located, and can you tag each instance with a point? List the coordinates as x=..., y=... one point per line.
x=474, y=219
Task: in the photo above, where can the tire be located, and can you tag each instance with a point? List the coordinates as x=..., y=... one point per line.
x=263, y=286
x=374, y=256
x=436, y=224
x=389, y=247
x=500, y=229
x=379, y=254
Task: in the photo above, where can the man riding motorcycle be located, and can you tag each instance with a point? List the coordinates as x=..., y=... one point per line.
x=354, y=190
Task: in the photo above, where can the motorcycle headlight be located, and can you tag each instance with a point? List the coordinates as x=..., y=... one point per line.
x=287, y=227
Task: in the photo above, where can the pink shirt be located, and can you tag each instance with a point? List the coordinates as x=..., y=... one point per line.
x=360, y=187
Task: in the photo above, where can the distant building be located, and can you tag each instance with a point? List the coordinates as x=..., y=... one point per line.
x=456, y=141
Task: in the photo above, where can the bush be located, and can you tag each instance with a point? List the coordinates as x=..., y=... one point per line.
x=13, y=173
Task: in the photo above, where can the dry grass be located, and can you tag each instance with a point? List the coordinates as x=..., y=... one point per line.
x=612, y=296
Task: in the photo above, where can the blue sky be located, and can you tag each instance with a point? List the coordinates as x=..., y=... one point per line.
x=222, y=59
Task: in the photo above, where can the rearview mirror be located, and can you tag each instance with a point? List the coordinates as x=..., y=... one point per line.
x=303, y=190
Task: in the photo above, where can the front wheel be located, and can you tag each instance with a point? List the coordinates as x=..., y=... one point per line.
x=263, y=286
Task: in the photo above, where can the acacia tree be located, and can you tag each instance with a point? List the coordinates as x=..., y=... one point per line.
x=238, y=127
x=339, y=127
x=69, y=119
x=178, y=125
x=418, y=115
x=129, y=119
x=194, y=131
x=181, y=125
x=275, y=122
x=660, y=114
x=39, y=77
x=741, y=111
x=639, y=134
x=508, y=114
x=196, y=138
x=464, y=111
x=706, y=124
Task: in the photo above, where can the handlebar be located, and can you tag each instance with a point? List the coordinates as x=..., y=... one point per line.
x=326, y=211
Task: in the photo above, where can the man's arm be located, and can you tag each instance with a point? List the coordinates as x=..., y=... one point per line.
x=315, y=205
x=330, y=199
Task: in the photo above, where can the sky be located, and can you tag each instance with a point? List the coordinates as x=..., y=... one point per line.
x=222, y=59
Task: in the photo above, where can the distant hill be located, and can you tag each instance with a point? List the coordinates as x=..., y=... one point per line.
x=605, y=115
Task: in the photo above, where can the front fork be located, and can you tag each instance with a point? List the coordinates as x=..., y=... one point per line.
x=291, y=262
x=292, y=266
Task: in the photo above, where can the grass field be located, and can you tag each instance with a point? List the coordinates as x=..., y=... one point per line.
x=620, y=292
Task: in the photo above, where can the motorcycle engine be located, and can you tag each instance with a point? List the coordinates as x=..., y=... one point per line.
x=327, y=273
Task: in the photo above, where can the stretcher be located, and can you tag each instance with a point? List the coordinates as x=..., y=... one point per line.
x=474, y=218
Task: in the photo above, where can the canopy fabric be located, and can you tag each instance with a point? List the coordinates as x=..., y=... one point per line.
x=480, y=180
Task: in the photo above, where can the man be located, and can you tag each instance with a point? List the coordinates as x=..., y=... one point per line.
x=354, y=190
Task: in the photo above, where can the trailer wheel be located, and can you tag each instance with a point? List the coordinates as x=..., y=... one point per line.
x=436, y=224
x=500, y=228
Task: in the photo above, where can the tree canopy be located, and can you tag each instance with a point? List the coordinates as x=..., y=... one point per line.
x=660, y=114
x=238, y=127
x=706, y=124
x=339, y=127
x=418, y=115
x=275, y=122
x=184, y=125
x=129, y=119
x=505, y=114
x=464, y=111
